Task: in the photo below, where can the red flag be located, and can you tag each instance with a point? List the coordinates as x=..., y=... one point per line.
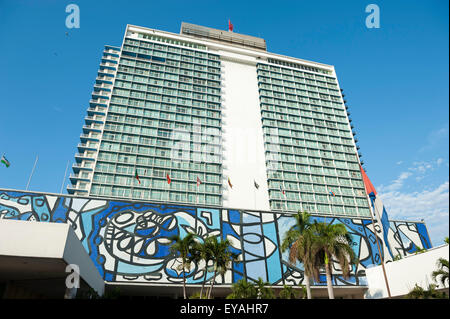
x=367, y=184
x=230, y=26
x=198, y=181
x=168, y=179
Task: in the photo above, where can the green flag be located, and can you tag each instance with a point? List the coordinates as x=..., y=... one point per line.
x=137, y=176
x=5, y=161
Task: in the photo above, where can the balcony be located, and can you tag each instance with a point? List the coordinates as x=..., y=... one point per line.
x=104, y=79
x=71, y=189
x=105, y=71
x=77, y=167
x=83, y=146
x=108, y=65
x=110, y=57
x=85, y=137
x=100, y=93
x=103, y=86
x=89, y=128
x=114, y=52
x=83, y=156
x=94, y=119
x=92, y=110
x=75, y=177
x=94, y=102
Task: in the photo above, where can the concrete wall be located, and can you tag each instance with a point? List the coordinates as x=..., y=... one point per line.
x=244, y=159
x=403, y=274
x=46, y=245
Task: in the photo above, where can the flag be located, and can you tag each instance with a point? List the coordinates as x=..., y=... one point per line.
x=168, y=179
x=137, y=176
x=380, y=213
x=331, y=192
x=256, y=184
x=198, y=181
x=230, y=26
x=229, y=183
x=5, y=161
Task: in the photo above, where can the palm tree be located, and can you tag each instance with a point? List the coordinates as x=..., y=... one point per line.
x=203, y=251
x=446, y=240
x=298, y=240
x=243, y=290
x=182, y=248
x=331, y=241
x=263, y=291
x=420, y=293
x=288, y=292
x=442, y=271
x=221, y=256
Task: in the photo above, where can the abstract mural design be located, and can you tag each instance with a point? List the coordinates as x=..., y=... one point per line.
x=129, y=241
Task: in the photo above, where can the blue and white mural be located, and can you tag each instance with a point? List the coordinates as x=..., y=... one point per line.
x=129, y=241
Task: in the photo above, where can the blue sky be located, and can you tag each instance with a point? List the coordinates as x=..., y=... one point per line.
x=395, y=79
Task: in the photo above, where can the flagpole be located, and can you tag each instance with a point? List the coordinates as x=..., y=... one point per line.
x=379, y=251
x=168, y=185
x=32, y=172
x=132, y=182
x=254, y=194
x=65, y=174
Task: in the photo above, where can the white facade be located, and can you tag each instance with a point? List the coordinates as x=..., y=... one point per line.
x=404, y=274
x=244, y=160
x=34, y=251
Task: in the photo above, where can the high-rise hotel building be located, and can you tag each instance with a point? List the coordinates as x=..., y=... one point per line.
x=231, y=124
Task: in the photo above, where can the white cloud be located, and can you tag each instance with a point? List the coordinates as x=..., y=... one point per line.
x=435, y=139
x=430, y=205
x=396, y=184
x=419, y=178
x=421, y=167
x=418, y=168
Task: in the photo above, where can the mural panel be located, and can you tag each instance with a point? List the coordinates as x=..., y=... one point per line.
x=129, y=241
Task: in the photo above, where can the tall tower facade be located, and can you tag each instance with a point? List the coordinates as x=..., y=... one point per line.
x=226, y=122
